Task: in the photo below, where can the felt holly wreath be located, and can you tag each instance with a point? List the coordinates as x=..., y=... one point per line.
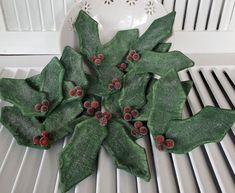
x=64, y=99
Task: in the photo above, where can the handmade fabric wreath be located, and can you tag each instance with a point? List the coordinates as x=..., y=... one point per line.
x=64, y=99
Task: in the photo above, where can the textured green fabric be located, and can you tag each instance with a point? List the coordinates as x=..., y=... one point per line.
x=95, y=86
x=34, y=81
x=88, y=35
x=161, y=63
x=19, y=93
x=157, y=32
x=73, y=64
x=126, y=154
x=168, y=101
x=133, y=92
x=162, y=47
x=111, y=104
x=52, y=82
x=187, y=85
x=78, y=159
x=22, y=128
x=72, y=124
x=209, y=125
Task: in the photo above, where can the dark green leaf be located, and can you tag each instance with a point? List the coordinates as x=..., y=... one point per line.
x=133, y=92
x=168, y=101
x=95, y=86
x=52, y=82
x=73, y=65
x=88, y=34
x=161, y=63
x=19, y=93
x=111, y=103
x=187, y=85
x=67, y=86
x=162, y=47
x=21, y=127
x=34, y=81
x=125, y=152
x=157, y=32
x=209, y=125
x=78, y=159
x=71, y=125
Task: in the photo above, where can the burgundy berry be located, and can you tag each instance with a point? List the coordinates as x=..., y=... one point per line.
x=95, y=104
x=114, y=80
x=37, y=107
x=72, y=92
x=45, y=102
x=86, y=104
x=117, y=85
x=135, y=113
x=132, y=52
x=103, y=121
x=80, y=93
x=90, y=111
x=129, y=58
x=134, y=132
x=98, y=114
x=138, y=124
x=93, y=58
x=101, y=56
x=123, y=66
x=45, y=134
x=169, y=143
x=44, y=141
x=97, y=61
x=160, y=147
x=127, y=116
x=136, y=57
x=107, y=115
x=36, y=140
x=160, y=139
x=44, y=108
x=143, y=131
x=110, y=86
x=127, y=109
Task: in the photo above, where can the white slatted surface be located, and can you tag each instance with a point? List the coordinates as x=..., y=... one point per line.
x=208, y=169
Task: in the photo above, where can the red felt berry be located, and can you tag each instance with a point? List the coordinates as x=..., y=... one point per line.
x=127, y=116
x=135, y=56
x=72, y=92
x=90, y=111
x=45, y=134
x=123, y=66
x=169, y=143
x=160, y=139
x=45, y=102
x=76, y=88
x=129, y=58
x=93, y=58
x=98, y=114
x=95, y=104
x=103, y=121
x=132, y=52
x=117, y=85
x=37, y=107
x=86, y=104
x=101, y=56
x=114, y=80
x=44, y=141
x=80, y=93
x=97, y=61
x=138, y=124
x=44, y=108
x=127, y=109
x=160, y=147
x=36, y=140
x=110, y=86
x=107, y=115
x=134, y=113
x=143, y=130
x=135, y=132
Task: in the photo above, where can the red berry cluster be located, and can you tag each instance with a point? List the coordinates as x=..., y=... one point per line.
x=162, y=142
x=103, y=117
x=97, y=59
x=130, y=113
x=133, y=55
x=76, y=91
x=115, y=84
x=42, y=107
x=122, y=66
x=42, y=140
x=91, y=106
x=139, y=129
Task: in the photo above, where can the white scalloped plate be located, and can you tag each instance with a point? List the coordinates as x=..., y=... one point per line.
x=112, y=16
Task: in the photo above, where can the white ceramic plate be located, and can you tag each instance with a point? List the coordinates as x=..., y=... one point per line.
x=112, y=16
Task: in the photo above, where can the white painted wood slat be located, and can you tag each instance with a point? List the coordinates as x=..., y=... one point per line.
x=232, y=21
x=180, y=6
x=47, y=15
x=21, y=8
x=191, y=15
x=34, y=12
x=227, y=14
x=2, y=20
x=169, y=5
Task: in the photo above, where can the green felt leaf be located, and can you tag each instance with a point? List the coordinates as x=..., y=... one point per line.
x=162, y=47
x=78, y=159
x=56, y=122
x=34, y=81
x=187, y=85
x=52, y=82
x=111, y=104
x=125, y=152
x=19, y=93
x=88, y=35
x=209, y=125
x=67, y=86
x=73, y=65
x=72, y=124
x=96, y=87
x=157, y=32
x=168, y=101
x=161, y=63
x=133, y=92
x=21, y=127
x=115, y=50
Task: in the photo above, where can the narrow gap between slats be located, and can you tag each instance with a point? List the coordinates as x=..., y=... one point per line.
x=17, y=16
x=185, y=12
x=41, y=15
x=229, y=80
x=174, y=5
x=29, y=15
x=220, y=14
x=209, y=13
x=174, y=173
x=196, y=16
